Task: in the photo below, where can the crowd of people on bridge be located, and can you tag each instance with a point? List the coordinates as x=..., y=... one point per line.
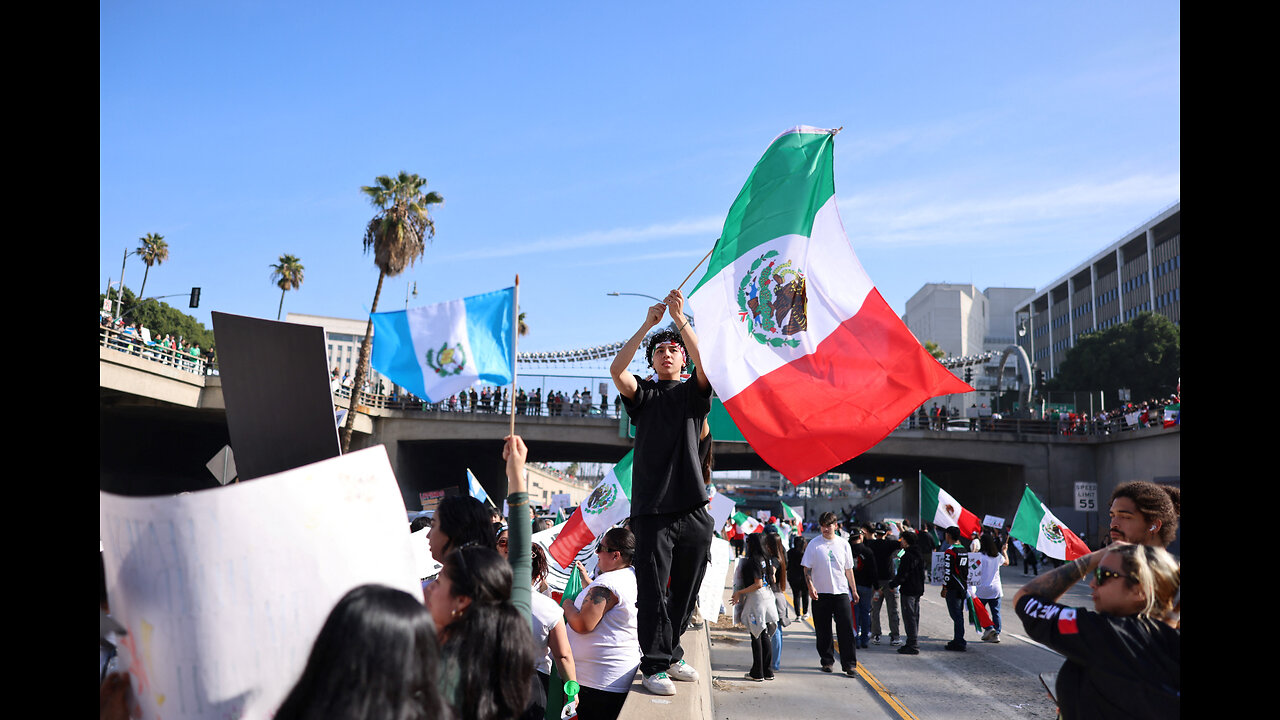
x=134, y=339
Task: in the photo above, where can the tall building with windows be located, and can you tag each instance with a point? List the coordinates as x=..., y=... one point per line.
x=965, y=322
x=1139, y=272
x=342, y=338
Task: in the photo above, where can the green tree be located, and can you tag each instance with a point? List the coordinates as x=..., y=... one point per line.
x=287, y=275
x=162, y=319
x=524, y=327
x=1143, y=355
x=932, y=348
x=398, y=235
x=153, y=251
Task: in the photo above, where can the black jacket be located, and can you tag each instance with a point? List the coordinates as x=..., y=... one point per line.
x=910, y=575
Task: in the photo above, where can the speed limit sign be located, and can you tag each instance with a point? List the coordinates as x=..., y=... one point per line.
x=1086, y=496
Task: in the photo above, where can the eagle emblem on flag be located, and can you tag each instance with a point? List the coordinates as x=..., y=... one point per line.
x=448, y=360
x=772, y=300
x=601, y=498
x=1051, y=531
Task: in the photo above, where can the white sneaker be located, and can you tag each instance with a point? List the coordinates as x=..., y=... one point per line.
x=659, y=684
x=896, y=641
x=683, y=672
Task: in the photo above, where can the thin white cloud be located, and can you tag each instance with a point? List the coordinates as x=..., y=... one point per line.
x=708, y=228
x=915, y=217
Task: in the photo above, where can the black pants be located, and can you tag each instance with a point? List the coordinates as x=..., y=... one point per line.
x=835, y=607
x=911, y=619
x=800, y=594
x=762, y=653
x=671, y=548
x=599, y=704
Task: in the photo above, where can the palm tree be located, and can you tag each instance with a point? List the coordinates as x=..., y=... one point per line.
x=524, y=327
x=153, y=251
x=398, y=235
x=287, y=275
x=932, y=348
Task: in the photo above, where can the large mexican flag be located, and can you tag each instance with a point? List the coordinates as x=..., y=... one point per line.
x=1039, y=528
x=608, y=504
x=809, y=360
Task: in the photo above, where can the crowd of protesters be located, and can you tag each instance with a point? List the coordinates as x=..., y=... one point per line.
x=134, y=339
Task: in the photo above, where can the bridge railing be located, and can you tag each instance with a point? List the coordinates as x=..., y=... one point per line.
x=1024, y=425
x=502, y=407
x=133, y=345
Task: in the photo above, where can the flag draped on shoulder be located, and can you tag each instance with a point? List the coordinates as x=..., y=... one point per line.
x=1039, y=528
x=607, y=505
x=811, y=363
x=938, y=507
x=438, y=350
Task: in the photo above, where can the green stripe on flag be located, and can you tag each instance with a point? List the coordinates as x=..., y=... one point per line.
x=622, y=471
x=1026, y=522
x=781, y=197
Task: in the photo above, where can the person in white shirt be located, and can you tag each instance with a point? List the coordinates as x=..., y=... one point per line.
x=828, y=570
x=602, y=629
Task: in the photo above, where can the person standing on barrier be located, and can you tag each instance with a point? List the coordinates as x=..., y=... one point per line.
x=669, y=499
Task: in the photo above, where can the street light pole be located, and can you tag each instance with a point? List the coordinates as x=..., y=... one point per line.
x=616, y=294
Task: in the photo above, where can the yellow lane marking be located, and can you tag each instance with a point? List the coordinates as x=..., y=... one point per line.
x=889, y=698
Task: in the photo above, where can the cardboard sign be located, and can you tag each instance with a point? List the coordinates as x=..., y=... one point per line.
x=992, y=521
x=223, y=591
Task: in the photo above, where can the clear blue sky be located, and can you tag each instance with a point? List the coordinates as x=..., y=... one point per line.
x=595, y=147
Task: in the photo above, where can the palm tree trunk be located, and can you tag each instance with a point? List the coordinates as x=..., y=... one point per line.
x=144, y=282
x=281, y=308
x=358, y=381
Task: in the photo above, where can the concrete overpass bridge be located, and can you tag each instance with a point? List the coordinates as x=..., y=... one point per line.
x=159, y=424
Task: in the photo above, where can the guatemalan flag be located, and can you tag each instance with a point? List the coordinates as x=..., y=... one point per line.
x=812, y=364
x=438, y=350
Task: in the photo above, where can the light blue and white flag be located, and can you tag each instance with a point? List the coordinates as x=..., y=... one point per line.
x=438, y=350
x=476, y=489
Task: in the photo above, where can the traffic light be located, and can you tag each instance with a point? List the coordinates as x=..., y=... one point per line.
x=1040, y=382
x=968, y=376
x=195, y=297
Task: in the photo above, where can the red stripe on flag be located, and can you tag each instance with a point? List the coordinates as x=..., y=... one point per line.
x=836, y=403
x=969, y=524
x=573, y=537
x=1075, y=546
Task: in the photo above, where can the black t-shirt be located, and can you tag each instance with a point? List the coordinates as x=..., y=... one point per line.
x=1117, y=667
x=884, y=550
x=666, y=473
x=865, y=565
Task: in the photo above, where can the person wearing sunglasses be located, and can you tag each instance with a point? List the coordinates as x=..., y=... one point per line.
x=1123, y=658
x=602, y=629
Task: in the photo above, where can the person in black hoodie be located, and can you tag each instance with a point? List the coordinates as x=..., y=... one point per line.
x=910, y=582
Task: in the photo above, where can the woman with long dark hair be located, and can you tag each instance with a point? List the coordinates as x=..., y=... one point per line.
x=486, y=644
x=460, y=520
x=795, y=576
x=753, y=584
x=375, y=657
x=773, y=548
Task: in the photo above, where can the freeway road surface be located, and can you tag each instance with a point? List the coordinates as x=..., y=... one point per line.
x=987, y=682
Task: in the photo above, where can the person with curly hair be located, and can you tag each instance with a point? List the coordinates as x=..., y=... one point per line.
x=1145, y=513
x=669, y=514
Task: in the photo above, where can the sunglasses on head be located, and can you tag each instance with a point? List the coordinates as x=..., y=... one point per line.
x=1101, y=575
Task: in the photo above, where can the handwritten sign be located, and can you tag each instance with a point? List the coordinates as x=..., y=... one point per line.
x=223, y=591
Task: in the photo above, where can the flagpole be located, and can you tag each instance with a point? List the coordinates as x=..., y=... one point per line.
x=920, y=499
x=695, y=267
x=515, y=339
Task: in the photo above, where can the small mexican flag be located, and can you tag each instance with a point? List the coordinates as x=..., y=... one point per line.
x=938, y=507
x=607, y=505
x=811, y=363
x=746, y=524
x=1037, y=527
x=790, y=513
